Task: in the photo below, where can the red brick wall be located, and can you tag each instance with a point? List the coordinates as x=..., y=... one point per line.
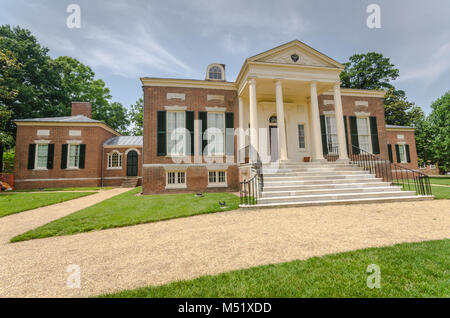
x=375, y=108
x=92, y=136
x=409, y=139
x=155, y=99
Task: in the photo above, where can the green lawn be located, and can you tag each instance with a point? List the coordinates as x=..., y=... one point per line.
x=440, y=180
x=65, y=189
x=129, y=209
x=11, y=203
x=440, y=193
x=407, y=270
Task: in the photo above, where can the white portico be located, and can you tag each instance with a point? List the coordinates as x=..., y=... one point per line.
x=278, y=100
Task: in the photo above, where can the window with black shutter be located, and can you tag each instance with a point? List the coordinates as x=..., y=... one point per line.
x=374, y=135
x=323, y=131
x=408, y=155
x=229, y=134
x=64, y=150
x=397, y=153
x=50, y=156
x=202, y=117
x=82, y=156
x=31, y=156
x=354, y=135
x=161, y=133
x=391, y=159
x=346, y=135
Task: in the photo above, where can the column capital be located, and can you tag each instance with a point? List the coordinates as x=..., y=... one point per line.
x=313, y=83
x=337, y=85
x=252, y=80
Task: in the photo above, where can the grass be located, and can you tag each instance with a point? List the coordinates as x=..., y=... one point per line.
x=440, y=193
x=407, y=270
x=11, y=203
x=129, y=209
x=440, y=180
x=65, y=189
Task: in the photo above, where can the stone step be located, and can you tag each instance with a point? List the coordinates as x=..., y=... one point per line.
x=318, y=181
x=327, y=185
x=317, y=177
x=338, y=196
x=338, y=202
x=284, y=193
x=317, y=170
x=314, y=173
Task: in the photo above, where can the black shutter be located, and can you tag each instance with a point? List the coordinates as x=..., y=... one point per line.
x=161, y=133
x=323, y=130
x=31, y=156
x=82, y=156
x=50, y=156
x=374, y=135
x=391, y=159
x=64, y=156
x=408, y=155
x=397, y=153
x=354, y=135
x=202, y=117
x=190, y=128
x=346, y=135
x=229, y=134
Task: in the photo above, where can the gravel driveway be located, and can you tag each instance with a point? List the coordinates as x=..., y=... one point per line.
x=158, y=253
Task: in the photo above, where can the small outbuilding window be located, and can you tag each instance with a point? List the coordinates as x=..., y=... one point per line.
x=115, y=160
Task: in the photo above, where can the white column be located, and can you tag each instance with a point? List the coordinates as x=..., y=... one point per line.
x=280, y=121
x=253, y=120
x=241, y=132
x=340, y=127
x=315, y=124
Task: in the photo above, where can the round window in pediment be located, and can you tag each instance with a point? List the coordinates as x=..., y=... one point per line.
x=273, y=119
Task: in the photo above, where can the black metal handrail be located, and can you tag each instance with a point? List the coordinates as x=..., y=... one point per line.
x=390, y=172
x=250, y=190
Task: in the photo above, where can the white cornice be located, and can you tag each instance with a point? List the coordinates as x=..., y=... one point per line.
x=170, y=82
x=358, y=92
x=68, y=124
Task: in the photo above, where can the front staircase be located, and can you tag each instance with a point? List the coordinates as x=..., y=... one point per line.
x=308, y=184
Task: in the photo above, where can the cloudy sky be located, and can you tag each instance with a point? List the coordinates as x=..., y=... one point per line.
x=125, y=40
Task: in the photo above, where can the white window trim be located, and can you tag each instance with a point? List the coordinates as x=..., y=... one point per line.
x=217, y=154
x=402, y=145
x=120, y=160
x=176, y=185
x=326, y=131
x=215, y=79
x=218, y=184
x=368, y=130
x=36, y=156
x=168, y=137
x=304, y=136
x=68, y=156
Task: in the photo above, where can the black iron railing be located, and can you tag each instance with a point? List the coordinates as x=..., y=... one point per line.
x=250, y=190
x=410, y=180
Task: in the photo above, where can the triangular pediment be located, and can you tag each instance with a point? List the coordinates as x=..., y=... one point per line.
x=295, y=53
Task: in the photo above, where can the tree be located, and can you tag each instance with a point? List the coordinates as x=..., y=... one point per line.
x=136, y=115
x=368, y=71
x=399, y=111
x=440, y=130
x=116, y=114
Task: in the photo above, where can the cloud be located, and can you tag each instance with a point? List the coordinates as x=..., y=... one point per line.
x=432, y=69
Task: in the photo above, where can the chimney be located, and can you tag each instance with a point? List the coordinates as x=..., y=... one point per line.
x=81, y=108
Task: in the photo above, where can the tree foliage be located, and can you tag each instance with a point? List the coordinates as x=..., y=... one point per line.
x=439, y=120
x=369, y=71
x=137, y=117
x=399, y=111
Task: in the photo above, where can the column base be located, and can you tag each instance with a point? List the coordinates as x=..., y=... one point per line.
x=343, y=160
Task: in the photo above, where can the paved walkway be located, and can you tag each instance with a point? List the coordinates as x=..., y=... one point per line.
x=158, y=253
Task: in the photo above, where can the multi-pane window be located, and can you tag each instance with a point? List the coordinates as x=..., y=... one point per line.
x=301, y=136
x=115, y=160
x=402, y=152
x=176, y=178
x=216, y=133
x=217, y=177
x=176, y=133
x=215, y=73
x=363, y=134
x=332, y=141
x=41, y=156
x=74, y=156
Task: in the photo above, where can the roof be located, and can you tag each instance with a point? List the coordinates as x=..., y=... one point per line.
x=67, y=119
x=125, y=141
x=400, y=127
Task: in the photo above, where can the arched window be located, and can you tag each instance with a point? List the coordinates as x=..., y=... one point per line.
x=115, y=160
x=215, y=73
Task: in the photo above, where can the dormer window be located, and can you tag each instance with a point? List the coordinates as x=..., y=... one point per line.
x=215, y=72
